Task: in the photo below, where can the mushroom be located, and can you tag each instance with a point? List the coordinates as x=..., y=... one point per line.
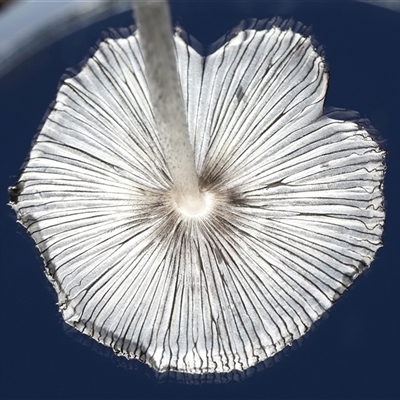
x=200, y=213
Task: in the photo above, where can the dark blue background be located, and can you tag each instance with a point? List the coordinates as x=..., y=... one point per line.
x=354, y=353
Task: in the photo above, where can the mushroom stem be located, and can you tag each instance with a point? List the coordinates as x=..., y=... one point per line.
x=156, y=40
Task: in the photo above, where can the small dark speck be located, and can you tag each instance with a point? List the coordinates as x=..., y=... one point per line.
x=362, y=266
x=239, y=93
x=275, y=184
x=218, y=255
x=14, y=192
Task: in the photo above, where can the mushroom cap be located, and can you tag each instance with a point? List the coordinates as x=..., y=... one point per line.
x=294, y=201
